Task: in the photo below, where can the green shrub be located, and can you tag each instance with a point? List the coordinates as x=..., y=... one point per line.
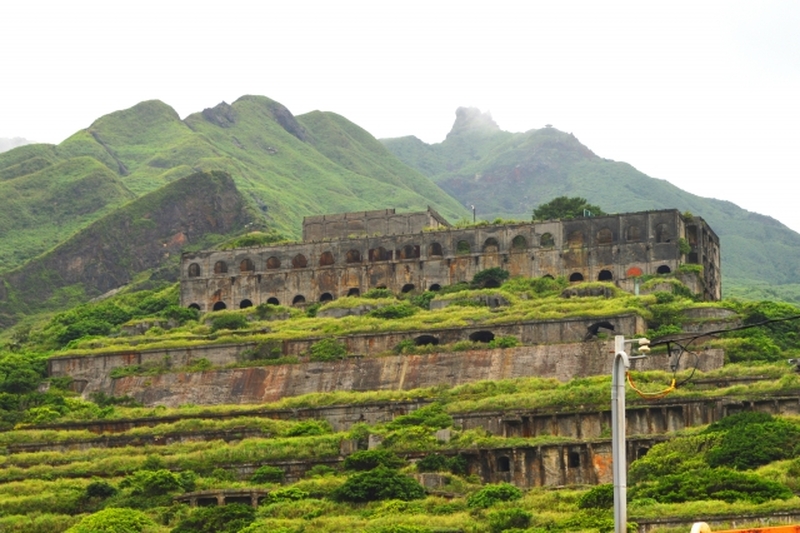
x=263, y=351
x=179, y=314
x=370, y=459
x=113, y=520
x=313, y=309
x=506, y=341
x=268, y=474
x=229, y=518
x=327, y=350
x=288, y=494
x=310, y=427
x=99, y=489
x=431, y=416
x=320, y=471
x=435, y=462
x=393, y=311
x=378, y=293
x=505, y=519
x=380, y=483
x=423, y=300
x=229, y=321
x=598, y=497
x=490, y=277
x=747, y=445
x=711, y=484
x=492, y=494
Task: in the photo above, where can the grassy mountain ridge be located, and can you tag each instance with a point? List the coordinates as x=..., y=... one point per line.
x=512, y=173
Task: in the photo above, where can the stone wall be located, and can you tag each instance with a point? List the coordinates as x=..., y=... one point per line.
x=613, y=248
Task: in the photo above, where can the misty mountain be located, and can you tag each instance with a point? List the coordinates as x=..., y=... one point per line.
x=7, y=144
x=507, y=174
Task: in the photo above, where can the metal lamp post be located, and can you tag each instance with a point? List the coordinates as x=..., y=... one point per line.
x=618, y=455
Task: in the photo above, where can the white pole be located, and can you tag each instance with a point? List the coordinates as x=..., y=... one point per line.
x=619, y=457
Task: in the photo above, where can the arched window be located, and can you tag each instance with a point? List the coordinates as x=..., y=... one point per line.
x=354, y=292
x=481, y=336
x=299, y=300
x=547, y=240
x=663, y=269
x=244, y=304
x=273, y=301
x=326, y=297
x=575, y=239
x=519, y=243
x=576, y=276
x=353, y=256
x=220, y=267
x=194, y=270
x=663, y=233
x=326, y=259
x=435, y=250
x=425, y=340
x=380, y=254
x=194, y=306
x=273, y=263
x=605, y=275
x=408, y=287
x=219, y=306
x=633, y=234
x=605, y=236
x=299, y=261
x=491, y=246
x=463, y=247
x=409, y=251
x=548, y=276
x=247, y=265
x=435, y=287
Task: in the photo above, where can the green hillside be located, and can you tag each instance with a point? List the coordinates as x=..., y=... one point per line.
x=507, y=175
x=288, y=167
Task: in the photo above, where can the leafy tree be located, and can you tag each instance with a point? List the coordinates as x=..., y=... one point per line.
x=370, y=459
x=506, y=519
x=490, y=277
x=378, y=484
x=327, y=350
x=268, y=474
x=229, y=518
x=566, y=207
x=229, y=321
x=598, y=497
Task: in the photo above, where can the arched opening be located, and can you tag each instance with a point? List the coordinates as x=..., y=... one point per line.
x=463, y=247
x=547, y=240
x=576, y=276
x=605, y=275
x=481, y=336
x=575, y=239
x=220, y=267
x=519, y=243
x=663, y=233
x=354, y=292
x=409, y=251
x=299, y=261
x=380, y=287
x=634, y=272
x=194, y=306
x=244, y=304
x=408, y=287
x=194, y=270
x=574, y=459
x=633, y=234
x=425, y=340
x=353, y=256
x=380, y=254
x=273, y=263
x=491, y=246
x=642, y=451
x=503, y=464
x=247, y=265
x=663, y=269
x=299, y=300
x=326, y=297
x=435, y=250
x=219, y=306
x=605, y=236
x=326, y=259
x=435, y=287
x=273, y=301
x=548, y=276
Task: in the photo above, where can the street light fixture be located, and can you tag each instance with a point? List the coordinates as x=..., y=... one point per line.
x=619, y=457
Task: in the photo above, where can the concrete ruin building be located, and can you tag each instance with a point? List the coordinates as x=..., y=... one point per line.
x=348, y=254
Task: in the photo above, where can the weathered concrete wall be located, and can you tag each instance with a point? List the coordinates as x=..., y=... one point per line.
x=613, y=248
x=365, y=223
x=403, y=372
x=91, y=373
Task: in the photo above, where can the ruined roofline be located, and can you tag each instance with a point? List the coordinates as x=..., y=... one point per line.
x=443, y=221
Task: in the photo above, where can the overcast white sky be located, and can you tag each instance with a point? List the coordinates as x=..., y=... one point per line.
x=703, y=94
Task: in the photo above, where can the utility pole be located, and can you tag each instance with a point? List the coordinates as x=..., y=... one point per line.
x=618, y=454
